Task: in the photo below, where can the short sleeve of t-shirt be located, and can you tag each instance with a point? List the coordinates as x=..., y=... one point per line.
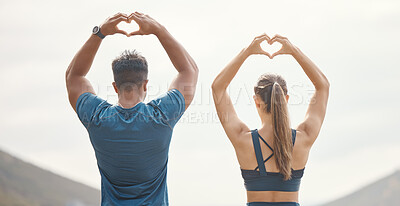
x=171, y=104
x=86, y=107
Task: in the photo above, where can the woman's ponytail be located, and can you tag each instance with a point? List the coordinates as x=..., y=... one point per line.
x=273, y=90
x=283, y=145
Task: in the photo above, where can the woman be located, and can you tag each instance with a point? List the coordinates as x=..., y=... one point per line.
x=272, y=168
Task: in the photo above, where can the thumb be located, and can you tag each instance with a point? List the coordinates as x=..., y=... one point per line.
x=135, y=33
x=276, y=54
x=264, y=53
x=268, y=55
x=122, y=32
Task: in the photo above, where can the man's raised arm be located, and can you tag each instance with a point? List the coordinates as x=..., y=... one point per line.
x=186, y=79
x=76, y=81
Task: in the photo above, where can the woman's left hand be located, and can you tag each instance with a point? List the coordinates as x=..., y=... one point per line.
x=287, y=46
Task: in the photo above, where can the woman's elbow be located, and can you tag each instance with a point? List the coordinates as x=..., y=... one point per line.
x=327, y=84
x=215, y=86
x=323, y=85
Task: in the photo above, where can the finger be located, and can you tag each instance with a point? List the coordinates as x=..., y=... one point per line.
x=138, y=13
x=116, y=16
x=260, y=39
x=278, y=36
x=282, y=37
x=268, y=38
x=277, y=39
x=135, y=33
x=134, y=17
x=121, y=18
x=130, y=16
x=273, y=38
x=260, y=36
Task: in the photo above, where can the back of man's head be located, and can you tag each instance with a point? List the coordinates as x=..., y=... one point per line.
x=130, y=70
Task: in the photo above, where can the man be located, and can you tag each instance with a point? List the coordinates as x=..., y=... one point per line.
x=131, y=140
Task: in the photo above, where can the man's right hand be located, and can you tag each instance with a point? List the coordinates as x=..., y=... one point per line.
x=147, y=25
x=186, y=80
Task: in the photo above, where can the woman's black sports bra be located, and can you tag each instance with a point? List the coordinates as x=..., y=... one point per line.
x=269, y=181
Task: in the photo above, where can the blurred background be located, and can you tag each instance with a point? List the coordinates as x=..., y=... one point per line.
x=47, y=157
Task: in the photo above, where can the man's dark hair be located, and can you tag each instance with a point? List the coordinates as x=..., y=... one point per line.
x=129, y=69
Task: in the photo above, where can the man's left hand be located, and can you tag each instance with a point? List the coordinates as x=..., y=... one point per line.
x=109, y=27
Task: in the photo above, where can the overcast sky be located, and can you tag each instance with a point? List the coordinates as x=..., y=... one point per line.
x=355, y=43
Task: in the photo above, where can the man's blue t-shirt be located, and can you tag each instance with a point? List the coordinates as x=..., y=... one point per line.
x=131, y=146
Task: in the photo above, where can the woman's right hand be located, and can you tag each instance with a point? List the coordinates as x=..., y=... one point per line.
x=255, y=47
x=287, y=46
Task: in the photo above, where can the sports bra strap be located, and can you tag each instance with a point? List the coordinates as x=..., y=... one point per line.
x=257, y=150
x=293, y=136
x=265, y=142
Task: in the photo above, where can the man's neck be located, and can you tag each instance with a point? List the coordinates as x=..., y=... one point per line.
x=129, y=99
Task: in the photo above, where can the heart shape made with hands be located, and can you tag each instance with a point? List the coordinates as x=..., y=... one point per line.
x=270, y=48
x=128, y=27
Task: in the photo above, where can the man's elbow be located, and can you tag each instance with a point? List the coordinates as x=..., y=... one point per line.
x=192, y=72
x=70, y=76
x=72, y=73
x=67, y=74
x=195, y=69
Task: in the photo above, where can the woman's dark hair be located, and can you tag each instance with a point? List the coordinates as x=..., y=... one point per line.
x=129, y=69
x=272, y=89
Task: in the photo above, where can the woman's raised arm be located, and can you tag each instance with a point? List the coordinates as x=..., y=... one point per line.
x=317, y=108
x=232, y=125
